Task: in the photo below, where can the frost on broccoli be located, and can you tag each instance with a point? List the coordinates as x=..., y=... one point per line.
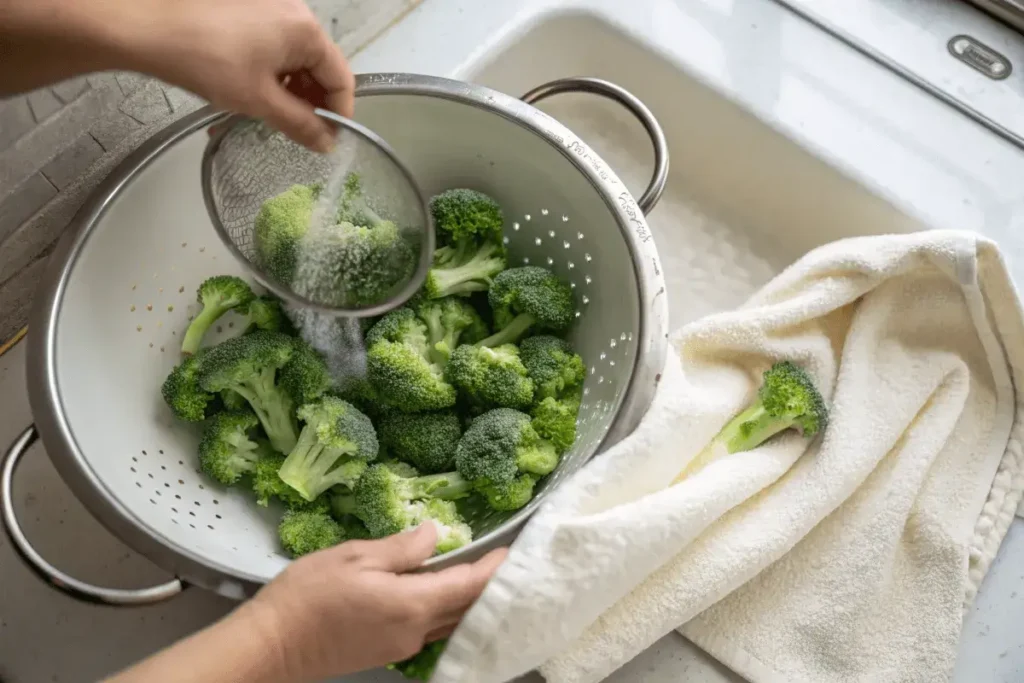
x=334, y=447
x=281, y=223
x=353, y=266
x=182, y=392
x=249, y=366
x=426, y=441
x=786, y=400
x=227, y=450
x=307, y=531
x=490, y=377
x=556, y=370
x=528, y=299
x=399, y=366
x=389, y=503
x=471, y=254
x=504, y=457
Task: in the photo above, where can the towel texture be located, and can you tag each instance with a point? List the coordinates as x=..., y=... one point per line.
x=850, y=558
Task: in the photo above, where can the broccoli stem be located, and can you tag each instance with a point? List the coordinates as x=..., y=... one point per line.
x=474, y=275
x=273, y=408
x=449, y=486
x=311, y=468
x=199, y=326
x=511, y=333
x=734, y=439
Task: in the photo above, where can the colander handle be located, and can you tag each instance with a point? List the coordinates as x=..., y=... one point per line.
x=597, y=86
x=46, y=571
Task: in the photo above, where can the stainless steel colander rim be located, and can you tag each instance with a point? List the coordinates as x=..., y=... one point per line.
x=44, y=388
x=230, y=122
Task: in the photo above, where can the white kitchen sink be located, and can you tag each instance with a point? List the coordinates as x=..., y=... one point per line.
x=781, y=139
x=742, y=201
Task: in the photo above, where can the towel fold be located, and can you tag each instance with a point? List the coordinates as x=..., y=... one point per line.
x=849, y=558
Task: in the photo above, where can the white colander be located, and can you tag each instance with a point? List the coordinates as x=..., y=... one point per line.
x=108, y=321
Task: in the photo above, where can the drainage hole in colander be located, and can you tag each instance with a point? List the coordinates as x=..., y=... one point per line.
x=174, y=510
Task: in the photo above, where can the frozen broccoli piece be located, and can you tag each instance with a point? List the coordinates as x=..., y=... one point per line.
x=427, y=441
x=528, y=299
x=281, y=223
x=469, y=228
x=182, y=392
x=218, y=295
x=556, y=370
x=307, y=531
x=490, y=377
x=786, y=400
x=227, y=450
x=249, y=366
x=399, y=367
x=503, y=456
x=450, y=321
x=334, y=447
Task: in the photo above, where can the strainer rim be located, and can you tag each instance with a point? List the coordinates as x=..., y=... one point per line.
x=225, y=125
x=48, y=405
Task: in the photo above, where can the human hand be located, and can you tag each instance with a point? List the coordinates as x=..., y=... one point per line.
x=355, y=607
x=237, y=55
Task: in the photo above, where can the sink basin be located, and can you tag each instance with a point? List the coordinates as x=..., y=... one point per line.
x=742, y=201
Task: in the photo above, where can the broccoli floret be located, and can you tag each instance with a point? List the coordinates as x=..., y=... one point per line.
x=556, y=370
x=281, y=222
x=353, y=266
x=267, y=484
x=233, y=401
x=471, y=253
x=342, y=509
x=787, y=399
x=462, y=272
x=305, y=376
x=353, y=207
x=333, y=449
x=503, y=456
x=307, y=531
x=265, y=313
x=528, y=299
x=464, y=216
x=226, y=450
x=490, y=377
x=420, y=667
x=450, y=321
x=510, y=495
x=183, y=394
x=249, y=365
x=425, y=440
x=389, y=503
x=218, y=295
x=399, y=368
x=555, y=420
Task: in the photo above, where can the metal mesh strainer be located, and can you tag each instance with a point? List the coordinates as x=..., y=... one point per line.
x=110, y=314
x=333, y=270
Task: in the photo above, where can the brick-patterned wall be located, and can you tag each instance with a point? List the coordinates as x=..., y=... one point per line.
x=58, y=143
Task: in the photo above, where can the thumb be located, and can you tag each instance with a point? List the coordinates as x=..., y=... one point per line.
x=403, y=552
x=295, y=118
